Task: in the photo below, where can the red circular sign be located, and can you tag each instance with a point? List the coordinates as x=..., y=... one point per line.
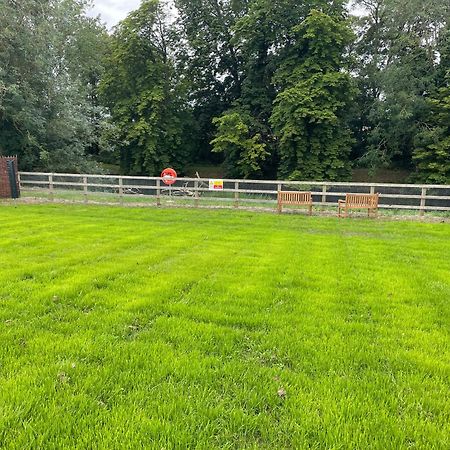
x=168, y=176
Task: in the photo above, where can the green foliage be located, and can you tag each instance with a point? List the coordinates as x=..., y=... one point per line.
x=49, y=68
x=314, y=93
x=278, y=60
x=274, y=88
x=143, y=94
x=396, y=70
x=431, y=155
x=244, y=153
x=209, y=61
x=432, y=152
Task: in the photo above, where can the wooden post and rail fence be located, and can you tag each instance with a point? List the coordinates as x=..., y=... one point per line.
x=195, y=192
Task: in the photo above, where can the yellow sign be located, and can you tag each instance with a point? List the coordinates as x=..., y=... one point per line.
x=216, y=185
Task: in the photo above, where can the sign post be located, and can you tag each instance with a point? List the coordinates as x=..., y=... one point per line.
x=169, y=177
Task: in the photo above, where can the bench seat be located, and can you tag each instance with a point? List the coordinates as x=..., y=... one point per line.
x=296, y=198
x=359, y=201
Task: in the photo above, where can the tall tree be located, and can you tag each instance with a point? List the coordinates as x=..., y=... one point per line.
x=395, y=69
x=210, y=60
x=315, y=91
x=431, y=154
x=269, y=39
x=144, y=95
x=45, y=109
x=256, y=35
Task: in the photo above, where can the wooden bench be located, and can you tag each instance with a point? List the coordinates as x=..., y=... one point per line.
x=294, y=198
x=359, y=201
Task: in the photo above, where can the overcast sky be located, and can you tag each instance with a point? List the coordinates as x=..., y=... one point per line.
x=113, y=11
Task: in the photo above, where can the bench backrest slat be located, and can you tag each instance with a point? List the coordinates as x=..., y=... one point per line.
x=362, y=200
x=294, y=197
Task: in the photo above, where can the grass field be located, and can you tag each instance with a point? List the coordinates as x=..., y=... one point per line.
x=254, y=202
x=145, y=328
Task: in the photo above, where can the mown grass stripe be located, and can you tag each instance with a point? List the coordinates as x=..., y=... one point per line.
x=179, y=329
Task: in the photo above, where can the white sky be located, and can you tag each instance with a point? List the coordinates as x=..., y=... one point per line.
x=113, y=11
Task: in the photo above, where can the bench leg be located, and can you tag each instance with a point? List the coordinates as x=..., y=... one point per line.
x=372, y=212
x=310, y=210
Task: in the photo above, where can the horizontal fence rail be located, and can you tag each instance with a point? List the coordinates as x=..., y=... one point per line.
x=235, y=193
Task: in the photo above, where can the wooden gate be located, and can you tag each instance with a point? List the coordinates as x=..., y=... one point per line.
x=9, y=177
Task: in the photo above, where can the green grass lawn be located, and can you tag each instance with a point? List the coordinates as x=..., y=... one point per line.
x=208, y=200
x=146, y=328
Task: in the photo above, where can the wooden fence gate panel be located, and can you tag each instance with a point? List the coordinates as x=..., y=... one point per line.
x=9, y=177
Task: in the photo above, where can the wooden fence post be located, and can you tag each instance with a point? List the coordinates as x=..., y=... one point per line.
x=158, y=192
x=50, y=187
x=324, y=194
x=121, y=190
x=85, y=189
x=422, y=201
x=196, y=193
x=279, y=187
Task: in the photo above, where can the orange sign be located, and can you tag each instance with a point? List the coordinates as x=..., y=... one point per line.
x=168, y=176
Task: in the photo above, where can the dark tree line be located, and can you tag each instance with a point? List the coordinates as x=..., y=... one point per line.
x=271, y=88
